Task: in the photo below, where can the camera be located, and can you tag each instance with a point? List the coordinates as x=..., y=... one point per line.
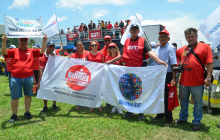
x=179, y=68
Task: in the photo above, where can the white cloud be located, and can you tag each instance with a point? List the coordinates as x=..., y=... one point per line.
x=140, y=18
x=19, y=4
x=99, y=13
x=177, y=26
x=174, y=0
x=61, y=19
x=74, y=3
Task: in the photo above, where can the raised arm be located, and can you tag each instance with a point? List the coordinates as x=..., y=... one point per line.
x=4, y=40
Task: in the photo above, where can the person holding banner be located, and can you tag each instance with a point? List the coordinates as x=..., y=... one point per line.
x=167, y=53
x=133, y=54
x=43, y=61
x=95, y=56
x=193, y=59
x=113, y=52
x=22, y=73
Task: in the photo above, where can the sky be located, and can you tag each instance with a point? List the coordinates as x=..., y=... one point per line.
x=175, y=15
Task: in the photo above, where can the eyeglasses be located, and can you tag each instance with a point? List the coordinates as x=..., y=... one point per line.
x=107, y=40
x=23, y=40
x=94, y=45
x=112, y=47
x=134, y=30
x=163, y=37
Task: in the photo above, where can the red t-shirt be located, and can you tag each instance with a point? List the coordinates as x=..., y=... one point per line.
x=109, y=26
x=22, y=61
x=36, y=63
x=193, y=70
x=57, y=51
x=104, y=51
x=109, y=57
x=43, y=60
x=146, y=56
x=9, y=62
x=80, y=56
x=133, y=52
x=95, y=58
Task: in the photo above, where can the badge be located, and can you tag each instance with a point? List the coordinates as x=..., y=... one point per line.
x=185, y=53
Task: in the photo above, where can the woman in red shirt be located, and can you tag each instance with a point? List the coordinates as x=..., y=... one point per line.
x=95, y=56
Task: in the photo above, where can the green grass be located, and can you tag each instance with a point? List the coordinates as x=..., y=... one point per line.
x=70, y=124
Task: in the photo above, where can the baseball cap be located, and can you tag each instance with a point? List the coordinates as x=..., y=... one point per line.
x=164, y=31
x=134, y=25
x=65, y=54
x=107, y=37
x=112, y=45
x=12, y=46
x=153, y=44
x=23, y=38
x=50, y=43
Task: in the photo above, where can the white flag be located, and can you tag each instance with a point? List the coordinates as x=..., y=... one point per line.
x=136, y=89
x=72, y=81
x=21, y=28
x=127, y=33
x=210, y=28
x=52, y=26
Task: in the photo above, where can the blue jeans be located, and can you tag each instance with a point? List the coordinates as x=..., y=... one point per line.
x=197, y=94
x=9, y=77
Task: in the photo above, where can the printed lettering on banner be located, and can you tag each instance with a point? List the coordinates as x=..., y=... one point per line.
x=96, y=34
x=72, y=36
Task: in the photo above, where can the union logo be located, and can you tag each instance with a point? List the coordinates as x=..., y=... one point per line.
x=207, y=35
x=78, y=77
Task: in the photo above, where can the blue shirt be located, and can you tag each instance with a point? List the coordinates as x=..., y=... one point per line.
x=167, y=54
x=151, y=60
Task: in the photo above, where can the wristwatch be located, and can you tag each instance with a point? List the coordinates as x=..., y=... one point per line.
x=209, y=79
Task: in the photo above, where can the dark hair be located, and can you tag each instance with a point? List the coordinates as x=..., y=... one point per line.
x=174, y=44
x=77, y=41
x=189, y=30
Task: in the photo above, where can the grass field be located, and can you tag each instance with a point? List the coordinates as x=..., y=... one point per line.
x=70, y=124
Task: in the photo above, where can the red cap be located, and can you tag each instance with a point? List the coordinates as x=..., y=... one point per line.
x=107, y=37
x=97, y=44
x=164, y=31
x=65, y=53
x=23, y=38
x=112, y=45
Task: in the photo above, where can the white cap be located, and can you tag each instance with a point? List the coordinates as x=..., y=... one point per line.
x=12, y=46
x=153, y=44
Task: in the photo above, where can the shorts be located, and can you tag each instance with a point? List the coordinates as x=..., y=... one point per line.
x=18, y=83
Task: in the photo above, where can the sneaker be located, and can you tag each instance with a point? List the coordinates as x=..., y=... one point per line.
x=179, y=121
x=141, y=117
x=44, y=111
x=196, y=127
x=128, y=114
x=167, y=123
x=120, y=111
x=28, y=115
x=13, y=118
x=157, y=118
x=55, y=108
x=114, y=109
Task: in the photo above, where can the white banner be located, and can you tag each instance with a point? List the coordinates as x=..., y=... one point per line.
x=20, y=28
x=72, y=81
x=127, y=32
x=136, y=89
x=210, y=28
x=52, y=26
x=57, y=40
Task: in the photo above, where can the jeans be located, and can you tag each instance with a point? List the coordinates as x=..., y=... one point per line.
x=197, y=94
x=9, y=77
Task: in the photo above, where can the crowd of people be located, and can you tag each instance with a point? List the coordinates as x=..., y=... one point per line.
x=92, y=26
x=192, y=79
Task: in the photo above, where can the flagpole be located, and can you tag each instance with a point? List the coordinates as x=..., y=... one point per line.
x=58, y=27
x=143, y=30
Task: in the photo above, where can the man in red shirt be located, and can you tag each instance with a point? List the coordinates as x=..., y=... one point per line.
x=109, y=26
x=43, y=61
x=134, y=56
x=192, y=77
x=107, y=41
x=22, y=73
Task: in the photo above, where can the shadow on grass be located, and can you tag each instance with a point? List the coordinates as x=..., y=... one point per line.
x=21, y=121
x=7, y=94
x=215, y=111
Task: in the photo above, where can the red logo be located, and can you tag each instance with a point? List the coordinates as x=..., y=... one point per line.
x=207, y=35
x=78, y=77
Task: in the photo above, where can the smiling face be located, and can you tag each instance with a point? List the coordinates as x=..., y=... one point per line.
x=50, y=49
x=94, y=46
x=107, y=42
x=134, y=31
x=23, y=43
x=112, y=50
x=163, y=38
x=79, y=47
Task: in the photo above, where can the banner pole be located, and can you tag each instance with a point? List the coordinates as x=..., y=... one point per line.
x=143, y=31
x=58, y=27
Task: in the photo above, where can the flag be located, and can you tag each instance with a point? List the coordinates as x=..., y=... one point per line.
x=136, y=89
x=72, y=81
x=21, y=28
x=52, y=26
x=210, y=28
x=180, y=46
x=127, y=33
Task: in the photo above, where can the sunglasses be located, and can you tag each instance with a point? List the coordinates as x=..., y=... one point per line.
x=112, y=47
x=94, y=45
x=107, y=40
x=23, y=40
